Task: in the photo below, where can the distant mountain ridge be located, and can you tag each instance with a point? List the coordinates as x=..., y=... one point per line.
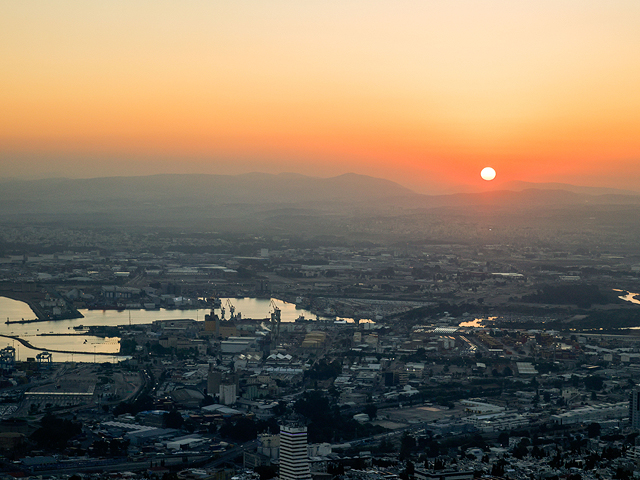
x=251, y=188
x=252, y=199
x=517, y=186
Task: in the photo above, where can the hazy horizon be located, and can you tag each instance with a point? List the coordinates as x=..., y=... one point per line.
x=425, y=94
x=495, y=185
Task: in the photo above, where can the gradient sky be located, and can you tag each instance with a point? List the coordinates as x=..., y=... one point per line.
x=425, y=93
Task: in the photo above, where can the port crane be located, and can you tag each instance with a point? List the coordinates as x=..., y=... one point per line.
x=275, y=323
x=232, y=309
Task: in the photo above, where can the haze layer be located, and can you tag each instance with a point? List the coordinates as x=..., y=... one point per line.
x=424, y=93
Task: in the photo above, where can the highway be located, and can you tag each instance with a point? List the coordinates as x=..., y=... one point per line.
x=193, y=459
x=122, y=465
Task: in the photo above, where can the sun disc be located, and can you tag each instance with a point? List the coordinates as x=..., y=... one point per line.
x=488, y=173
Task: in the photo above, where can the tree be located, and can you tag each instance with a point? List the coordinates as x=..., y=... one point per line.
x=593, y=382
x=323, y=370
x=537, y=452
x=520, y=451
x=407, y=445
x=54, y=432
x=173, y=419
x=127, y=346
x=280, y=409
x=497, y=470
x=313, y=405
x=268, y=426
x=371, y=410
x=622, y=473
x=386, y=446
x=593, y=430
x=242, y=430
x=439, y=464
x=327, y=424
x=433, y=448
x=411, y=468
x=266, y=473
x=159, y=350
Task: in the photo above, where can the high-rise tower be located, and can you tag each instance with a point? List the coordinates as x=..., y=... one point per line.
x=634, y=407
x=294, y=458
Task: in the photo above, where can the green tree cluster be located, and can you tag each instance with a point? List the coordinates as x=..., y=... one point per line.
x=54, y=432
x=322, y=370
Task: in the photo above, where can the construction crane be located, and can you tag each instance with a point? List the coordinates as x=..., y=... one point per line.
x=214, y=300
x=232, y=309
x=275, y=324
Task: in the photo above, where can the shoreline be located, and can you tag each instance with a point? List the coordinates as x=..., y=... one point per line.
x=70, y=352
x=31, y=298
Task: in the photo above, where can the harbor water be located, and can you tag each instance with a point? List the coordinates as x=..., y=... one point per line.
x=60, y=334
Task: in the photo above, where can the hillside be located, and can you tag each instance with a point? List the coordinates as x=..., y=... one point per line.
x=353, y=205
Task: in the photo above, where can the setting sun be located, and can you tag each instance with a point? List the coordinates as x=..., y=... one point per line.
x=488, y=173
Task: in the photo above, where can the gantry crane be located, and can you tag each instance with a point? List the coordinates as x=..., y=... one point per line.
x=232, y=309
x=275, y=324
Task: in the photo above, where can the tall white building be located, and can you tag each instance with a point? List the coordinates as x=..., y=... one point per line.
x=294, y=458
x=228, y=394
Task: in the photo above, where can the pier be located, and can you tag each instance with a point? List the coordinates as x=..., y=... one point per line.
x=71, y=352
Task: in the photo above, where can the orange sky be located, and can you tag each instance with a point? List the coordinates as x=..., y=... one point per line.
x=424, y=93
